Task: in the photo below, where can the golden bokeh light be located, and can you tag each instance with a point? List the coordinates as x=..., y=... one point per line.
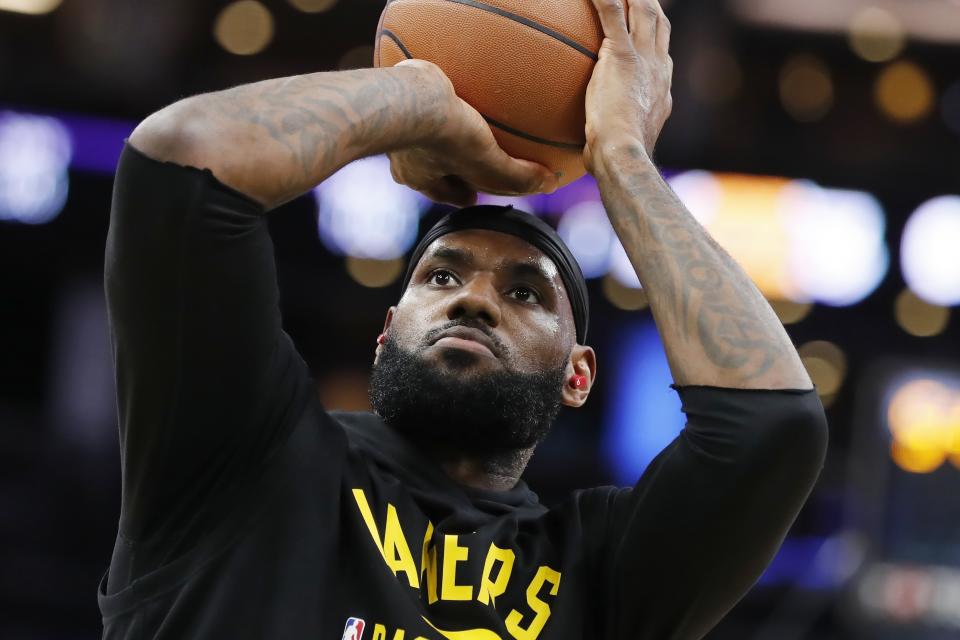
x=918, y=317
x=876, y=35
x=806, y=88
x=624, y=297
x=374, y=273
x=791, y=312
x=313, y=6
x=904, y=92
x=244, y=27
x=826, y=364
x=916, y=459
x=357, y=58
x=30, y=7
x=924, y=419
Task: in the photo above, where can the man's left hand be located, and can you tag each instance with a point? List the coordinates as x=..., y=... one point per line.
x=628, y=98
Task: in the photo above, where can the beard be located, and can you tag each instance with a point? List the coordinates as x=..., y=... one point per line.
x=496, y=411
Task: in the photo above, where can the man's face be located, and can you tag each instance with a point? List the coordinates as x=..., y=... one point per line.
x=482, y=338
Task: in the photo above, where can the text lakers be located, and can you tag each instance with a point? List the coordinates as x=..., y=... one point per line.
x=440, y=582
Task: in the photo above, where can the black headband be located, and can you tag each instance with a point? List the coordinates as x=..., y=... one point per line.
x=526, y=227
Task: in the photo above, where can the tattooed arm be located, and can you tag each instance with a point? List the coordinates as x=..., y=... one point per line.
x=716, y=327
x=276, y=139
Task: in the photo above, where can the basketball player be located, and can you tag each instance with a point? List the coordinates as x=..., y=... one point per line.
x=249, y=511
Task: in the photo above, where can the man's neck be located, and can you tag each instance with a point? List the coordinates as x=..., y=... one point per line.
x=490, y=471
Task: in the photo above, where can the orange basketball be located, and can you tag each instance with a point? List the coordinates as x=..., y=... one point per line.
x=523, y=64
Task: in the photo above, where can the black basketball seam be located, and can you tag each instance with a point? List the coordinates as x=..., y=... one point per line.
x=530, y=23
x=393, y=36
x=532, y=138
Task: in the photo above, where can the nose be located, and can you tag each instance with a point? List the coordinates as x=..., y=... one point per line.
x=475, y=300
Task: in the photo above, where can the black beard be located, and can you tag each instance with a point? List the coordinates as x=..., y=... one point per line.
x=499, y=411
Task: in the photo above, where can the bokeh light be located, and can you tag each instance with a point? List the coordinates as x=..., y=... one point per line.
x=930, y=251
x=365, y=214
x=702, y=194
x=31, y=7
x=876, y=35
x=360, y=57
x=806, y=88
x=838, y=254
x=375, y=273
x=799, y=242
x=587, y=232
x=923, y=416
x=35, y=156
x=918, y=317
x=827, y=366
x=623, y=297
x=313, y=6
x=621, y=268
x=904, y=92
x=244, y=27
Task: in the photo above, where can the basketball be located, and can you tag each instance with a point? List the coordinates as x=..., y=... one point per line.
x=523, y=64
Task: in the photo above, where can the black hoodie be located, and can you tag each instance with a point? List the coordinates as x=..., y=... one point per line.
x=251, y=512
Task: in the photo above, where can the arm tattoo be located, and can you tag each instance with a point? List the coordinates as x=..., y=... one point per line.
x=691, y=281
x=316, y=118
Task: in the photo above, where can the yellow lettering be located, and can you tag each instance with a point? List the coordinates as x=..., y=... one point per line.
x=380, y=633
x=490, y=589
x=453, y=554
x=428, y=563
x=540, y=608
x=397, y=553
x=467, y=634
x=394, y=547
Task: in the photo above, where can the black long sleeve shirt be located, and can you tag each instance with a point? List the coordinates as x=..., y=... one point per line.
x=249, y=511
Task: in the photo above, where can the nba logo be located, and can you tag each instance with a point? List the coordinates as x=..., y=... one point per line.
x=353, y=630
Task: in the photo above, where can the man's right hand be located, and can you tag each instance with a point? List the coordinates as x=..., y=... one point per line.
x=462, y=157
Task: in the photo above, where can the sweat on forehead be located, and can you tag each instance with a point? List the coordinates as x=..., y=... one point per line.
x=526, y=227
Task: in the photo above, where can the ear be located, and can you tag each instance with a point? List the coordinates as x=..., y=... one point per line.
x=386, y=330
x=583, y=362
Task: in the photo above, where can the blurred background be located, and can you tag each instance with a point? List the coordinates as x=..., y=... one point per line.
x=819, y=141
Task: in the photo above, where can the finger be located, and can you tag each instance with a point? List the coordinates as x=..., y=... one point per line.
x=644, y=19
x=513, y=175
x=613, y=18
x=450, y=190
x=664, y=29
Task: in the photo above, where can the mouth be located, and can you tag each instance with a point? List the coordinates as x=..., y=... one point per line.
x=466, y=339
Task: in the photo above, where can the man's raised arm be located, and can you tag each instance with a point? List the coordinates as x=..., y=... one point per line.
x=276, y=139
x=716, y=327
x=711, y=511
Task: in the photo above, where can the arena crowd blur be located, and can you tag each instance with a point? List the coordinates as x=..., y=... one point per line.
x=818, y=141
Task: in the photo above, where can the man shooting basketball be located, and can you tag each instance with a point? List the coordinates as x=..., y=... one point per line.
x=251, y=512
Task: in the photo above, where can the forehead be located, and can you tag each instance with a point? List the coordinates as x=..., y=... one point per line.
x=495, y=250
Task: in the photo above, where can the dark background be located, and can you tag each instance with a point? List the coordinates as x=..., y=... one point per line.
x=875, y=553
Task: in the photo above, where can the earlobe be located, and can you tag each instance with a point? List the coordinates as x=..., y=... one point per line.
x=582, y=370
x=382, y=338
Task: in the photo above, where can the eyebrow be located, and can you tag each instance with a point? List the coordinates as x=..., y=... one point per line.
x=516, y=269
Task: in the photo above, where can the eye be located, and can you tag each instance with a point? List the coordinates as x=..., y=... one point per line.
x=441, y=278
x=525, y=294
